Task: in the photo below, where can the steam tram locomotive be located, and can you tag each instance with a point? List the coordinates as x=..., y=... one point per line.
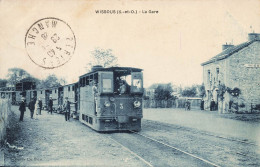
x=102, y=104
x=109, y=108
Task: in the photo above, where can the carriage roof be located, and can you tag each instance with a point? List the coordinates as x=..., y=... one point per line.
x=123, y=70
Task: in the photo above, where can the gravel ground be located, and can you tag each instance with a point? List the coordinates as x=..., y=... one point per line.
x=245, y=126
x=221, y=151
x=156, y=154
x=51, y=140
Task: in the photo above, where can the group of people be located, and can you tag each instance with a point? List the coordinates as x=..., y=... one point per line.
x=35, y=106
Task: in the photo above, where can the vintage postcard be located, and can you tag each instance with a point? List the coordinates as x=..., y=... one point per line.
x=130, y=83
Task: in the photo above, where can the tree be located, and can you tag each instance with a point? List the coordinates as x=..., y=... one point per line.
x=163, y=92
x=102, y=57
x=62, y=81
x=202, y=90
x=16, y=74
x=190, y=91
x=3, y=83
x=51, y=81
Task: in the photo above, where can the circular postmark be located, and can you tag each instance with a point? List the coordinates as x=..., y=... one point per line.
x=50, y=42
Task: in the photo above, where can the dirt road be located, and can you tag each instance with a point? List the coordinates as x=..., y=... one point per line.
x=51, y=140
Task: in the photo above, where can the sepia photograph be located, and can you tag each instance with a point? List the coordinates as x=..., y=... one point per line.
x=122, y=83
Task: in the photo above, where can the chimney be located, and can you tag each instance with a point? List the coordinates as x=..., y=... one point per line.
x=225, y=46
x=96, y=68
x=253, y=36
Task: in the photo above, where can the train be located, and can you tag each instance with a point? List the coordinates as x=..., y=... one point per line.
x=107, y=99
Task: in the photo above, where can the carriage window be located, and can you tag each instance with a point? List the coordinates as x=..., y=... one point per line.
x=87, y=80
x=107, y=86
x=137, y=83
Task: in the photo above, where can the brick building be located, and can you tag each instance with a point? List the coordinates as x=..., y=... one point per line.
x=231, y=78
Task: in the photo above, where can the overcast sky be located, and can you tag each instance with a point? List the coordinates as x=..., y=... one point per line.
x=169, y=46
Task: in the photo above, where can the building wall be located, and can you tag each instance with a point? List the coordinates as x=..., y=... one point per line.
x=213, y=75
x=245, y=78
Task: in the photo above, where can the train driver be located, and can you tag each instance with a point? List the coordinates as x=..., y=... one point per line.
x=122, y=88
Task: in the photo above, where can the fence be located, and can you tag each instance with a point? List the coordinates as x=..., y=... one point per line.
x=5, y=110
x=178, y=103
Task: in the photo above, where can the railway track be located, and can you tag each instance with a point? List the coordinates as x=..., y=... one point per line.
x=222, y=148
x=157, y=153
x=192, y=155
x=213, y=135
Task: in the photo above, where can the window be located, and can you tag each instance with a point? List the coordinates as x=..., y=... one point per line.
x=208, y=76
x=68, y=88
x=55, y=90
x=87, y=80
x=137, y=83
x=80, y=82
x=217, y=70
x=107, y=86
x=84, y=81
x=73, y=88
x=41, y=92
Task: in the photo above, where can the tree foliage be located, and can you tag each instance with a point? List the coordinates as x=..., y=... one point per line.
x=163, y=91
x=102, y=57
x=189, y=91
x=3, y=83
x=16, y=74
x=202, y=91
x=51, y=81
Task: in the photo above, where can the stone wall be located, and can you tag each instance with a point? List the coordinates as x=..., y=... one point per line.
x=244, y=77
x=5, y=111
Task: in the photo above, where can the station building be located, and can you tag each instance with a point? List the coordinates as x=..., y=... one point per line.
x=232, y=78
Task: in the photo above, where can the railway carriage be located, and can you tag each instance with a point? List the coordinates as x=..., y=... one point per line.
x=6, y=95
x=109, y=109
x=18, y=97
x=71, y=91
x=44, y=94
x=54, y=93
x=30, y=95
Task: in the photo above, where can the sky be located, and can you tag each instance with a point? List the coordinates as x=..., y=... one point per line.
x=169, y=45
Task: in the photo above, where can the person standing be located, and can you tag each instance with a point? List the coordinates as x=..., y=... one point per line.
x=31, y=107
x=40, y=104
x=50, y=105
x=22, y=109
x=37, y=109
x=212, y=105
x=66, y=107
x=202, y=105
x=188, y=105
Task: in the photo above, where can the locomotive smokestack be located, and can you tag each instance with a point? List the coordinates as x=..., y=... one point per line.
x=97, y=67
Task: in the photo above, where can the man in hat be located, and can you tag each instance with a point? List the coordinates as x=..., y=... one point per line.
x=31, y=107
x=66, y=107
x=40, y=104
x=22, y=108
x=50, y=104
